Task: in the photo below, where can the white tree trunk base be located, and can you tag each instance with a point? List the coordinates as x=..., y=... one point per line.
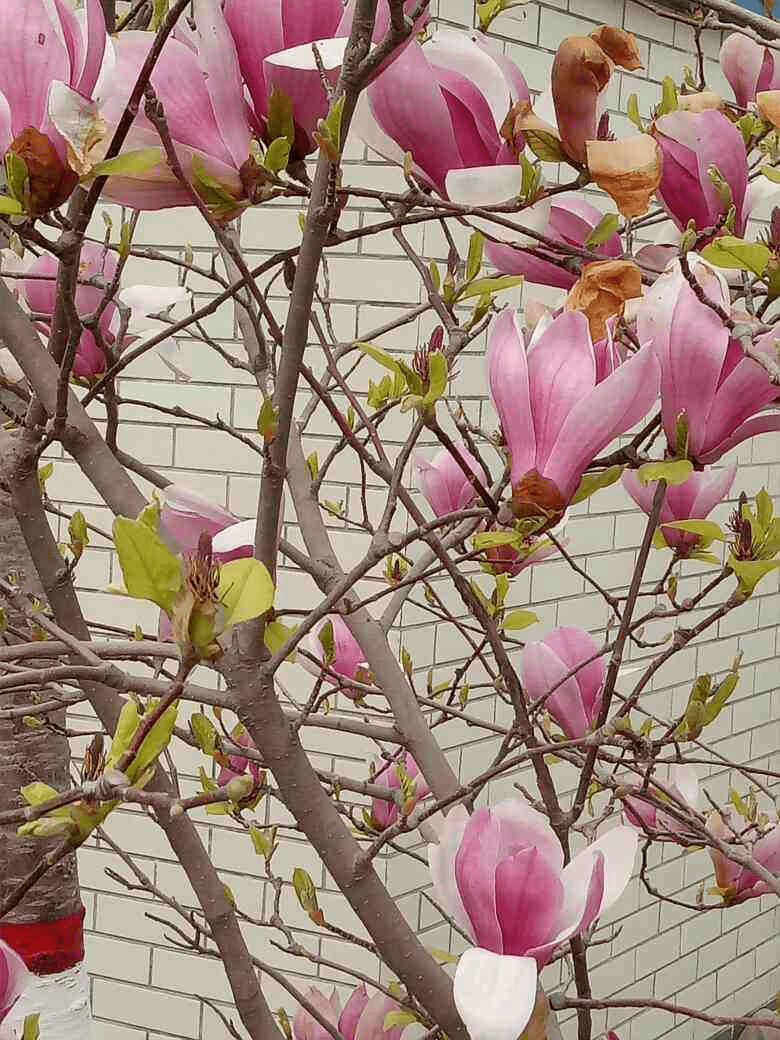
x=63, y=1003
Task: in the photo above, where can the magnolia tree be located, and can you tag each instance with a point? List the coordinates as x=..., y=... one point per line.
x=657, y=359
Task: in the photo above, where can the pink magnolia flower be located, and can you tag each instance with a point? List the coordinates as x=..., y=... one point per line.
x=444, y=102
x=575, y=703
x=13, y=978
x=274, y=45
x=506, y=559
x=39, y=290
x=738, y=883
x=238, y=764
x=45, y=42
x=748, y=67
x=704, y=374
x=555, y=414
x=348, y=660
x=680, y=781
x=443, y=483
x=386, y=813
x=692, y=143
x=198, y=81
x=500, y=873
x=693, y=500
x=571, y=221
x=362, y=1018
x=185, y=515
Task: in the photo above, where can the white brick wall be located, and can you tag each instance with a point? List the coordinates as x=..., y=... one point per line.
x=144, y=988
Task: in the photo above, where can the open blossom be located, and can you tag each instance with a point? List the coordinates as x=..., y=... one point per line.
x=500, y=873
x=39, y=290
x=555, y=414
x=386, y=813
x=274, y=45
x=198, y=82
x=571, y=221
x=45, y=43
x=185, y=515
x=738, y=883
x=679, y=780
x=576, y=702
x=362, y=1018
x=704, y=373
x=444, y=102
x=442, y=481
x=347, y=660
x=692, y=143
x=692, y=500
x=748, y=67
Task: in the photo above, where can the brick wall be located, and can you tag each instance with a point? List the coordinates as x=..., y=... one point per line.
x=144, y=988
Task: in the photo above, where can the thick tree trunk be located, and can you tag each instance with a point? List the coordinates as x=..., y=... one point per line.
x=46, y=926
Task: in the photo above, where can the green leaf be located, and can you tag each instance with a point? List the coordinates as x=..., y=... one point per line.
x=400, y=1018
x=737, y=254
x=305, y=891
x=491, y=539
x=9, y=206
x=263, y=840
x=267, y=419
x=31, y=1029
x=603, y=231
x=277, y=155
x=150, y=515
x=673, y=471
x=438, y=373
x=149, y=568
x=275, y=636
x=516, y=620
x=593, y=482
x=44, y=473
x=545, y=146
x=279, y=120
x=126, y=726
x=16, y=177
x=705, y=529
x=212, y=191
x=719, y=697
x=155, y=741
x=764, y=508
x=245, y=590
x=327, y=642
x=669, y=99
x=443, y=956
x=328, y=133
x=632, y=111
x=435, y=276
x=474, y=261
x=37, y=792
x=77, y=529
x=750, y=572
x=380, y=356
x=159, y=11
x=129, y=164
x=204, y=732
x=489, y=285
x=771, y=173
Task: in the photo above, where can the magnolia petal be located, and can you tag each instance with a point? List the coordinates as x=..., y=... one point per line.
x=441, y=861
x=522, y=824
x=685, y=781
x=580, y=72
x=542, y=670
x=353, y=1009
x=742, y=61
x=13, y=977
x=618, y=846
x=510, y=390
x=294, y=71
x=492, y=186
x=494, y=994
x=628, y=170
x=234, y=542
x=619, y=45
x=602, y=290
x=768, y=102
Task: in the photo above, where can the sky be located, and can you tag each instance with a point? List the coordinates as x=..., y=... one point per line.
x=754, y=5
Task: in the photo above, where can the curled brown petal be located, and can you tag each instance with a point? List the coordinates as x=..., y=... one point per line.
x=602, y=290
x=629, y=170
x=619, y=45
x=580, y=72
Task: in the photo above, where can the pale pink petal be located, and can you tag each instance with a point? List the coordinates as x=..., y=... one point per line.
x=452, y=49
x=353, y=1009
x=609, y=410
x=234, y=542
x=185, y=514
x=713, y=487
x=371, y=1023
x=495, y=995
x=13, y=978
x=541, y=671
x=529, y=895
x=305, y=1026
x=769, y=422
x=508, y=378
x=294, y=72
x=34, y=54
x=475, y=870
x=618, y=847
x=561, y=370
x=522, y=825
x=441, y=861
x=348, y=657
x=574, y=645
x=685, y=782
x=219, y=61
x=742, y=61
x=93, y=28
x=766, y=850
x=258, y=31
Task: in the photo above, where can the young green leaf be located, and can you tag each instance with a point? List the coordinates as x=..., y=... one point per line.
x=545, y=146
x=673, y=471
x=737, y=254
x=128, y=164
x=603, y=231
x=245, y=590
x=149, y=568
x=474, y=260
x=516, y=620
x=593, y=482
x=277, y=155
